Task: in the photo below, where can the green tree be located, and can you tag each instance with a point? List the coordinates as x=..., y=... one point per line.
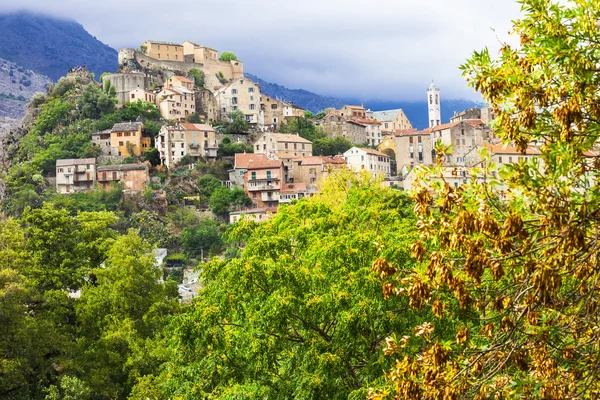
x=198, y=76
x=208, y=184
x=303, y=127
x=94, y=102
x=151, y=155
x=523, y=262
x=223, y=200
x=201, y=238
x=227, y=56
x=227, y=148
x=121, y=317
x=131, y=111
x=151, y=228
x=308, y=114
x=299, y=314
x=331, y=147
x=237, y=122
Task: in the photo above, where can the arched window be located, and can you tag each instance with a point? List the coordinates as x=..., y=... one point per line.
x=430, y=99
x=436, y=99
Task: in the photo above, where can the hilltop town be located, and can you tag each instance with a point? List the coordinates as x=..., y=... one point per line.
x=205, y=101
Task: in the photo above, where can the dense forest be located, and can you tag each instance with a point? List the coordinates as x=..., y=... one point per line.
x=485, y=291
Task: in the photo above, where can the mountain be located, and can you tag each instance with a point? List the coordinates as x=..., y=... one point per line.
x=415, y=111
x=300, y=97
x=50, y=45
x=17, y=85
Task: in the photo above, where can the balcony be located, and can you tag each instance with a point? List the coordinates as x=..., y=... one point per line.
x=258, y=185
x=194, y=145
x=269, y=196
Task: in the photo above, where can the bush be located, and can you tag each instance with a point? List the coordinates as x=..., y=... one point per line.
x=228, y=56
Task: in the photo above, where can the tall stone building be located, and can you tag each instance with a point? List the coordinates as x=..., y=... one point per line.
x=433, y=101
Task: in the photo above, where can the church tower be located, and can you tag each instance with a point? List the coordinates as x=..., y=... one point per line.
x=433, y=100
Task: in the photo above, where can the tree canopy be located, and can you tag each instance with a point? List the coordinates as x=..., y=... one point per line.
x=227, y=56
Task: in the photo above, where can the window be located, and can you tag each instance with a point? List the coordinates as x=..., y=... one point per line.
x=430, y=99
x=234, y=108
x=510, y=159
x=436, y=99
x=158, y=55
x=233, y=91
x=286, y=145
x=273, y=106
x=463, y=141
x=253, y=176
x=419, y=139
x=386, y=125
x=410, y=140
x=193, y=134
x=250, y=90
x=234, y=100
x=268, y=174
x=420, y=156
x=249, y=118
x=252, y=106
x=251, y=98
x=499, y=160
x=120, y=143
x=205, y=134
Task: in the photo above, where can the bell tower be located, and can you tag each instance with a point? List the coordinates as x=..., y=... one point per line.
x=433, y=102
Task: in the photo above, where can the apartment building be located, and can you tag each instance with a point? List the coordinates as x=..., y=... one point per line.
x=176, y=104
x=201, y=141
x=141, y=94
x=273, y=143
x=127, y=139
x=360, y=159
x=263, y=182
x=168, y=51
x=392, y=121
x=240, y=166
x=463, y=136
x=240, y=94
x=74, y=175
x=133, y=177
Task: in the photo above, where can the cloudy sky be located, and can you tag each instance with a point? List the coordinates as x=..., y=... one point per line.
x=369, y=50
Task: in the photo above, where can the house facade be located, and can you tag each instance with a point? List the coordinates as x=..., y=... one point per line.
x=127, y=138
x=353, y=112
x=410, y=148
x=243, y=95
x=75, y=175
x=361, y=159
x=263, y=181
x=171, y=144
x=167, y=51
x=176, y=104
x=177, y=81
x=141, y=94
x=240, y=166
x=200, y=141
x=273, y=143
x=133, y=177
x=392, y=121
x=463, y=136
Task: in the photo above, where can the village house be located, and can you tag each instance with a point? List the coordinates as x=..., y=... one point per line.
x=274, y=111
x=243, y=95
x=372, y=131
x=293, y=191
x=207, y=106
x=177, y=81
x=263, y=181
x=392, y=121
x=176, y=104
x=463, y=136
x=74, y=175
x=454, y=176
x=408, y=148
x=102, y=140
x=168, y=51
x=353, y=112
x=310, y=170
x=200, y=141
x=171, y=144
x=273, y=143
x=334, y=125
x=360, y=159
x=133, y=177
x=127, y=138
x=240, y=166
x=500, y=155
x=141, y=94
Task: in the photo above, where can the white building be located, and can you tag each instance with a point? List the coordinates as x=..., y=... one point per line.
x=171, y=144
x=75, y=175
x=433, y=99
x=275, y=143
x=360, y=159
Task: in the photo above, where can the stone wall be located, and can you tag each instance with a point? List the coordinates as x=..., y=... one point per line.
x=124, y=83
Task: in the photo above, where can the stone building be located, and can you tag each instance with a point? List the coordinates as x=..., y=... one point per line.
x=274, y=112
x=334, y=125
x=75, y=175
x=126, y=137
x=240, y=94
x=176, y=104
x=353, y=112
x=200, y=141
x=207, y=106
x=133, y=177
x=273, y=143
x=169, y=51
x=463, y=136
x=408, y=149
x=309, y=170
x=240, y=166
x=125, y=83
x=392, y=121
x=141, y=94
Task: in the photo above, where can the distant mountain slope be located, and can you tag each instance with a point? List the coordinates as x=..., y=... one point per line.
x=17, y=85
x=50, y=46
x=300, y=97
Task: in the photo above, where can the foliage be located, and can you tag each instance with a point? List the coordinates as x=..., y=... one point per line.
x=331, y=146
x=300, y=314
x=208, y=184
x=227, y=56
x=204, y=236
x=198, y=76
x=95, y=200
x=94, y=102
x=237, y=122
x=304, y=127
x=524, y=263
x=308, y=114
x=194, y=118
x=132, y=110
x=223, y=200
x=152, y=155
x=227, y=148
x=151, y=228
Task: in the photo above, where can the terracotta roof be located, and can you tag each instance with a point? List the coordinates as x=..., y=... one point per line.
x=197, y=127
x=75, y=161
x=367, y=121
x=505, y=149
x=356, y=107
x=334, y=160
x=370, y=151
x=445, y=126
x=166, y=43
x=311, y=160
x=473, y=122
x=294, y=187
x=182, y=78
x=411, y=132
x=243, y=159
x=264, y=164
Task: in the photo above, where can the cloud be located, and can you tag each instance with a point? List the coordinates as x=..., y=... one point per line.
x=368, y=50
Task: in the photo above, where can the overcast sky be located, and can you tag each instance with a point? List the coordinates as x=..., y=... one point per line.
x=369, y=50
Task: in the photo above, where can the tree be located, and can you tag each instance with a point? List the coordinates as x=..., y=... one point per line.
x=201, y=238
x=94, y=102
x=331, y=147
x=523, y=263
x=303, y=127
x=151, y=228
x=208, y=184
x=131, y=111
x=237, y=122
x=227, y=56
x=227, y=148
x=198, y=76
x=121, y=317
x=299, y=314
x=308, y=114
x=223, y=200
x=152, y=155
